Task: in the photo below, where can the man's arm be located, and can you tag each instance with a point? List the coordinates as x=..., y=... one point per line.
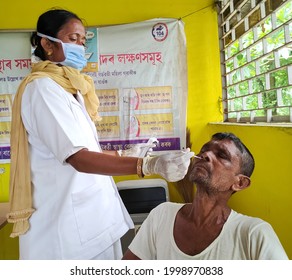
x=130, y=256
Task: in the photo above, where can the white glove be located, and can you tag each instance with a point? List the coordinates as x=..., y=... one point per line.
x=172, y=167
x=136, y=150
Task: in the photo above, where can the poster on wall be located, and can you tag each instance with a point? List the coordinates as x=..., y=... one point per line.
x=139, y=71
x=15, y=64
x=142, y=84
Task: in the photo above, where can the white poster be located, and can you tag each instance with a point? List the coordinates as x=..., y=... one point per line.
x=142, y=84
x=140, y=75
x=15, y=64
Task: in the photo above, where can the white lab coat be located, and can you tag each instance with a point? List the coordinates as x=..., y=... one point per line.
x=78, y=215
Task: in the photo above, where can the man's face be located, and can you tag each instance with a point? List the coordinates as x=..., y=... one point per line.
x=218, y=167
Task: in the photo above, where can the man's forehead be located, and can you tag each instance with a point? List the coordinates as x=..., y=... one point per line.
x=222, y=144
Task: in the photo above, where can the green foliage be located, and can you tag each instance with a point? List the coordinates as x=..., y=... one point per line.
x=256, y=82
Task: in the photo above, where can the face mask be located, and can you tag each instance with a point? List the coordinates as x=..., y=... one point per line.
x=74, y=54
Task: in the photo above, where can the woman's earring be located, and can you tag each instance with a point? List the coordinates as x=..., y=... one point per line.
x=49, y=53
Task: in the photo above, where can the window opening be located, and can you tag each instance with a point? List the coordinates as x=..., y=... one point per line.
x=256, y=57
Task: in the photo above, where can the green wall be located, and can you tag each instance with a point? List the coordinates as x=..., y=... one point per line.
x=271, y=188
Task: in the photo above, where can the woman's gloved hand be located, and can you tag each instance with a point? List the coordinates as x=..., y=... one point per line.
x=136, y=150
x=172, y=167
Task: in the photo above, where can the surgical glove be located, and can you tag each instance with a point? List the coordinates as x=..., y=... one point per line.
x=136, y=150
x=172, y=167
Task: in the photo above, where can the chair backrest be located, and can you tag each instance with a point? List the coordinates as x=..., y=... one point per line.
x=141, y=196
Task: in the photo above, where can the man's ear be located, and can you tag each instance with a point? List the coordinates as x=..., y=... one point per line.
x=242, y=182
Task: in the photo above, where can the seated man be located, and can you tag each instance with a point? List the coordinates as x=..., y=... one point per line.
x=207, y=228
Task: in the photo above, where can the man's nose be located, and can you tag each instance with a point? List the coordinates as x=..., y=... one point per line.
x=205, y=156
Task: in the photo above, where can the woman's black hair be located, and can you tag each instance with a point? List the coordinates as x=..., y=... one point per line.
x=50, y=23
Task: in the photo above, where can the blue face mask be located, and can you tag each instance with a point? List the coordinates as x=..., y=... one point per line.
x=74, y=54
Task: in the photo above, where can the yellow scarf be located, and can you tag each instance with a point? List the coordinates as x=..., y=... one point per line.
x=20, y=178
